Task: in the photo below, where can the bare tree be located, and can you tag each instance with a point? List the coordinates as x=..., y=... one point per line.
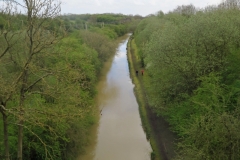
x=38, y=39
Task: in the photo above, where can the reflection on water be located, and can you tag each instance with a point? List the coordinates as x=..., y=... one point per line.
x=119, y=132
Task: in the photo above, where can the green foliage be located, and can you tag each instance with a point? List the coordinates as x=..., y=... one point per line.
x=189, y=56
x=146, y=26
x=231, y=75
x=111, y=25
x=2, y=22
x=106, y=31
x=213, y=125
x=59, y=106
x=192, y=58
x=107, y=18
x=119, y=29
x=102, y=44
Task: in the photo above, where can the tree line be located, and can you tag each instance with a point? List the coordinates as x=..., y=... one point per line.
x=110, y=24
x=48, y=75
x=192, y=58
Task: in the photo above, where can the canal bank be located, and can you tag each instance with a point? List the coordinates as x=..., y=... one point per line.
x=157, y=130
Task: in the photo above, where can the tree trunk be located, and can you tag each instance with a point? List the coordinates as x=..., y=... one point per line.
x=20, y=128
x=20, y=139
x=5, y=132
x=21, y=113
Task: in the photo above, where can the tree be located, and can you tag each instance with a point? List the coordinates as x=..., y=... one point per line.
x=212, y=132
x=98, y=42
x=31, y=43
x=160, y=14
x=8, y=39
x=186, y=10
x=192, y=62
x=230, y=4
x=38, y=41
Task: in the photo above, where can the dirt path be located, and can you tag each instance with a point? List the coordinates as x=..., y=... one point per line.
x=157, y=128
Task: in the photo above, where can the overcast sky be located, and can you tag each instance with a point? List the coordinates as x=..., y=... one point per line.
x=141, y=7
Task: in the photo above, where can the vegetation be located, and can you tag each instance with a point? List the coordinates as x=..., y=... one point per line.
x=112, y=25
x=192, y=57
x=49, y=65
x=49, y=70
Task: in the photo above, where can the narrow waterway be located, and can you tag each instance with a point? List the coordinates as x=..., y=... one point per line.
x=120, y=135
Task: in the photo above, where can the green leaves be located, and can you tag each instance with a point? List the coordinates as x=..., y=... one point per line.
x=102, y=44
x=193, y=62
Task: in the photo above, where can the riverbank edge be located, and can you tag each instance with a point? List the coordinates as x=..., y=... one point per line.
x=141, y=99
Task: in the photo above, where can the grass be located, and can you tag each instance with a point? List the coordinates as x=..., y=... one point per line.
x=135, y=64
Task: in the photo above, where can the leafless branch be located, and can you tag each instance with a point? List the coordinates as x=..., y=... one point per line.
x=34, y=83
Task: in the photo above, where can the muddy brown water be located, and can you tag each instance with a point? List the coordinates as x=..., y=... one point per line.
x=119, y=134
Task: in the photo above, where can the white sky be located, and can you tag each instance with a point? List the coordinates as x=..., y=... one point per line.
x=141, y=7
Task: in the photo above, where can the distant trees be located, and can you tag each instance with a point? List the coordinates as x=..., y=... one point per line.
x=230, y=4
x=185, y=10
x=98, y=42
x=110, y=24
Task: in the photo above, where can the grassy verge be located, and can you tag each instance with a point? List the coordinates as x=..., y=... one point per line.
x=135, y=64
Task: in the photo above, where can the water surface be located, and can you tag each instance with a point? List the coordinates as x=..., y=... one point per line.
x=120, y=135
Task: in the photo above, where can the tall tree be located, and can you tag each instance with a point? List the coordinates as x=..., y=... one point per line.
x=33, y=41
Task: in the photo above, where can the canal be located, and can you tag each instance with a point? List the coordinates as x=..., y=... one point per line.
x=119, y=133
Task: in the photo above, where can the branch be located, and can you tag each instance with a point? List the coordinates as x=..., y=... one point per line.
x=44, y=144
x=19, y=4
x=33, y=84
x=3, y=108
x=8, y=40
x=4, y=52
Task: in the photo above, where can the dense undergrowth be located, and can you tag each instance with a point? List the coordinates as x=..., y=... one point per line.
x=192, y=58
x=49, y=67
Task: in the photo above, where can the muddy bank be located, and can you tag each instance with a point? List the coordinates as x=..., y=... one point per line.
x=166, y=139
